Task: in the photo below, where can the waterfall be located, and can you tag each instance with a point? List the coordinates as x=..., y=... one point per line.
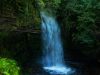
x=53, y=58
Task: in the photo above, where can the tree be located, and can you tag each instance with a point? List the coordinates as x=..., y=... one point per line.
x=80, y=15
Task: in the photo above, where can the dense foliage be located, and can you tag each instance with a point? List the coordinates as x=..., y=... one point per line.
x=8, y=67
x=24, y=11
x=81, y=15
x=79, y=22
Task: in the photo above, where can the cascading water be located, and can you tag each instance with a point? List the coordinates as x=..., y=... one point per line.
x=53, y=59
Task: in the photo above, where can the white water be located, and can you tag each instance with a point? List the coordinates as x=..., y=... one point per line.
x=53, y=59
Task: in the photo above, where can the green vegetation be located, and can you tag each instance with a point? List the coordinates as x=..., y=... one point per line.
x=81, y=15
x=24, y=11
x=8, y=67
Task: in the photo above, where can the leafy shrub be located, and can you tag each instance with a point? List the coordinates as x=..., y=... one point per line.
x=78, y=19
x=8, y=67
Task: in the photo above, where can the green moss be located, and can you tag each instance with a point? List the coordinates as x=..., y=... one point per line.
x=8, y=67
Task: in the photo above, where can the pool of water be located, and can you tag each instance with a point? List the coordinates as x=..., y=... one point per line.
x=77, y=69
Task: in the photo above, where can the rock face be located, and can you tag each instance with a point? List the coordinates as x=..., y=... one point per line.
x=19, y=14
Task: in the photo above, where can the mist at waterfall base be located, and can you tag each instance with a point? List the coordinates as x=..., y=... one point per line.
x=53, y=58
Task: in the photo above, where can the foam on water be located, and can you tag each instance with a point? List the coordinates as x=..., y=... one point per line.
x=58, y=70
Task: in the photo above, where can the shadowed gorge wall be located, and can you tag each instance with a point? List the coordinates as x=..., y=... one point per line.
x=20, y=46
